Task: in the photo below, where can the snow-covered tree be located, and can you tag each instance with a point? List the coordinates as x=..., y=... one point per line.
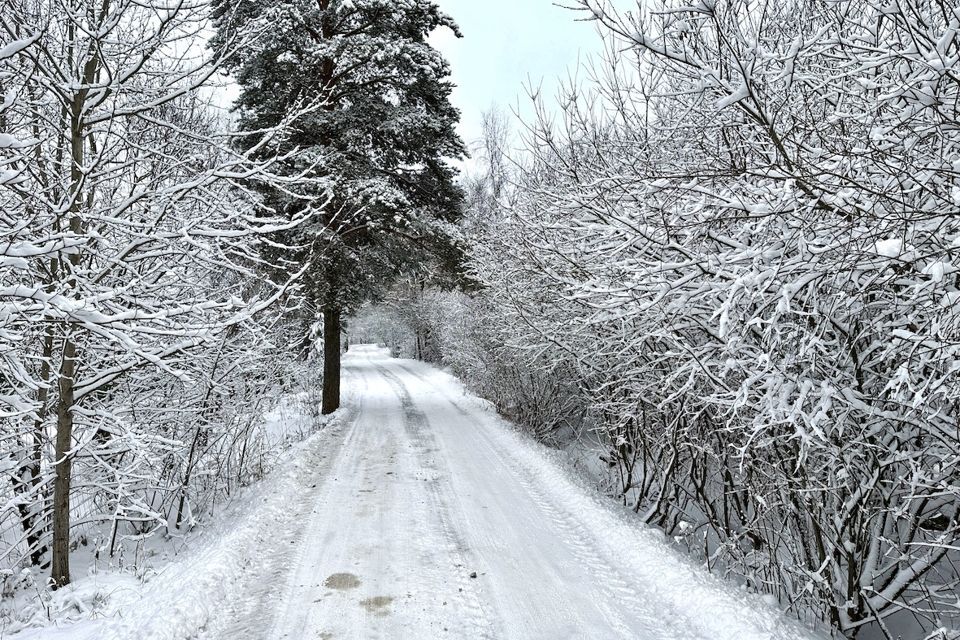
x=377, y=143
x=126, y=248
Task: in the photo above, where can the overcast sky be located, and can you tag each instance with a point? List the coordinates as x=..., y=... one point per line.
x=508, y=44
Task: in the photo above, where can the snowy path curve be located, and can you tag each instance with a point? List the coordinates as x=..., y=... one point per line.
x=427, y=489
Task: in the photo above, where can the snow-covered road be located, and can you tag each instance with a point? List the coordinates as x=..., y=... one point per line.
x=431, y=518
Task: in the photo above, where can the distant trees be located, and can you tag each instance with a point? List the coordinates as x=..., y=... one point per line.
x=127, y=250
x=376, y=145
x=740, y=244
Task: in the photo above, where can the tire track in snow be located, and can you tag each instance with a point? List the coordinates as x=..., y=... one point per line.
x=254, y=614
x=251, y=615
x=614, y=594
x=574, y=534
x=441, y=499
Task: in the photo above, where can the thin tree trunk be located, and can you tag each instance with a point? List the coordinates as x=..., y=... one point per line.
x=60, y=546
x=26, y=483
x=331, y=360
x=306, y=343
x=186, y=477
x=60, y=572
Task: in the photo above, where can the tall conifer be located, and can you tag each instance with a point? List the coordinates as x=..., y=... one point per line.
x=380, y=134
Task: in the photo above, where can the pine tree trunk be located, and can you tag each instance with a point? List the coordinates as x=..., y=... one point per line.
x=331, y=360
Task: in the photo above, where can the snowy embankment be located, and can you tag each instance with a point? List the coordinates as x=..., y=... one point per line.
x=180, y=598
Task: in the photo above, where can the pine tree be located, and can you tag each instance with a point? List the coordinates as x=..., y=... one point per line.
x=379, y=132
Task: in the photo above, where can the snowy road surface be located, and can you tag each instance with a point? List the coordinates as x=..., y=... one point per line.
x=430, y=518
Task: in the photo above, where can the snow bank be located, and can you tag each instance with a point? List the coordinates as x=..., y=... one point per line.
x=179, y=599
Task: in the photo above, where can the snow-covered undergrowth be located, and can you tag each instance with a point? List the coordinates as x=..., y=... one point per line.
x=173, y=586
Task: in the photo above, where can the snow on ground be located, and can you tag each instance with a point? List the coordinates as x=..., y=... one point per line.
x=178, y=599
x=439, y=520
x=425, y=515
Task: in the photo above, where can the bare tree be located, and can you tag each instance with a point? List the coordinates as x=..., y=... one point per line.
x=129, y=242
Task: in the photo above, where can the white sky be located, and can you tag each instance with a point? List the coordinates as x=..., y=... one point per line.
x=508, y=45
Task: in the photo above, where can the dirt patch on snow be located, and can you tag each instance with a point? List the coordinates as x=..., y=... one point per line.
x=377, y=605
x=342, y=581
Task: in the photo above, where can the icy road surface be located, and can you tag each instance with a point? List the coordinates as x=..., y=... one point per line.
x=432, y=519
